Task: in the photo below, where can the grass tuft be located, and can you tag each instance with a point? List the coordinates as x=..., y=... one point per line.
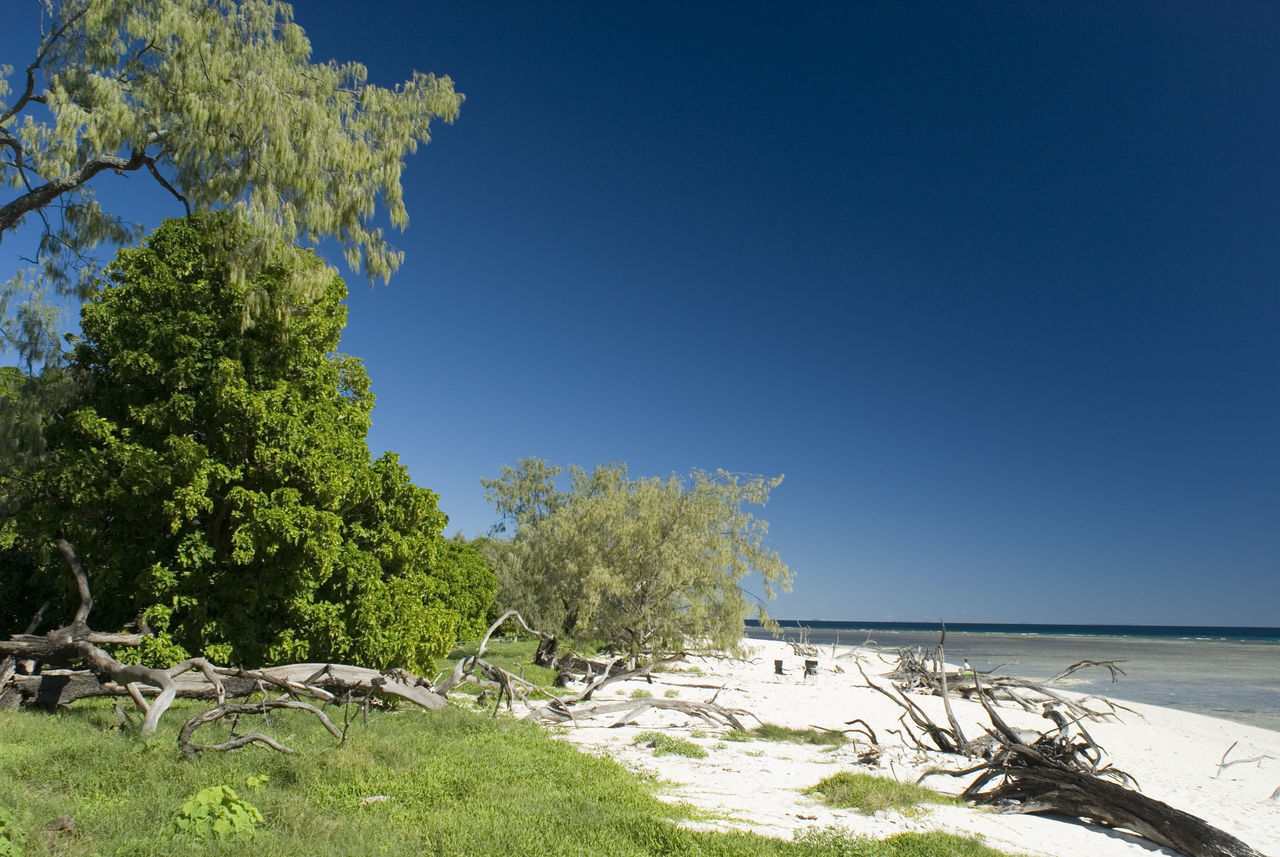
x=834, y=842
x=867, y=793
x=774, y=732
x=669, y=745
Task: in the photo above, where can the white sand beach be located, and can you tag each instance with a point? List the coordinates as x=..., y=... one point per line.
x=759, y=785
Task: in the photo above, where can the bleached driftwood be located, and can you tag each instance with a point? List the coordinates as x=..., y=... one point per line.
x=1059, y=771
x=230, y=709
x=154, y=690
x=631, y=709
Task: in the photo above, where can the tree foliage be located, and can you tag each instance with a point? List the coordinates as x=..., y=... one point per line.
x=219, y=102
x=643, y=564
x=218, y=483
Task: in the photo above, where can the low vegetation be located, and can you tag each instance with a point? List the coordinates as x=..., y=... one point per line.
x=669, y=745
x=867, y=793
x=774, y=732
x=408, y=783
x=838, y=843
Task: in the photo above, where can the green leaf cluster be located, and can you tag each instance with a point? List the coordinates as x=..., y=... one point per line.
x=218, y=484
x=642, y=564
x=216, y=811
x=10, y=846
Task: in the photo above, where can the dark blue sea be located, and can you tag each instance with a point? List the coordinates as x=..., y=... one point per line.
x=1232, y=673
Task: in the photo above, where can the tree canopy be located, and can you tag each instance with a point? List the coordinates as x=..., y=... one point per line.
x=642, y=564
x=218, y=483
x=220, y=103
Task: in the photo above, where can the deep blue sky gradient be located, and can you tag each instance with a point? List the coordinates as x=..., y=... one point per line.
x=995, y=285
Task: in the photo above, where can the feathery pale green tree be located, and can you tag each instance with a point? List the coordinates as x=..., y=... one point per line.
x=642, y=564
x=220, y=103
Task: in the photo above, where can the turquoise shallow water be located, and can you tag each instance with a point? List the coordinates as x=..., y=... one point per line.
x=1235, y=676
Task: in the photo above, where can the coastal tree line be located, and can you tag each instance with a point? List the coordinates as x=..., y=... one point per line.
x=202, y=440
x=193, y=466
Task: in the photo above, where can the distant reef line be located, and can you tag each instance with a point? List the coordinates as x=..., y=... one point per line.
x=1233, y=632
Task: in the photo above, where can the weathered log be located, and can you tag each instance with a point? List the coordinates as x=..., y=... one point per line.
x=77, y=644
x=1061, y=773
x=59, y=688
x=713, y=714
x=1038, y=788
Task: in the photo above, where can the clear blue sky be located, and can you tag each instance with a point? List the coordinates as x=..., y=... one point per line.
x=995, y=285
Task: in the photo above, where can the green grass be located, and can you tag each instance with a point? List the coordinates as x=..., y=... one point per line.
x=670, y=745
x=869, y=794
x=452, y=783
x=774, y=732
x=837, y=843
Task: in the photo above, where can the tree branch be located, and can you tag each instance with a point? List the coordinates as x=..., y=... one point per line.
x=28, y=93
x=82, y=582
x=151, y=166
x=40, y=197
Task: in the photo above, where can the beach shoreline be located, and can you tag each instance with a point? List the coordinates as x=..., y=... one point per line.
x=760, y=785
x=1235, y=676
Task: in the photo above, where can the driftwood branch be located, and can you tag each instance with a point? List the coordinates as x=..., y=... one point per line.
x=1060, y=771
x=236, y=709
x=154, y=690
x=1223, y=764
x=713, y=714
x=916, y=670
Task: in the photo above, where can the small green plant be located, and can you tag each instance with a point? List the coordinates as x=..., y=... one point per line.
x=668, y=745
x=640, y=693
x=217, y=811
x=869, y=794
x=820, y=737
x=836, y=842
x=697, y=733
x=671, y=694
x=10, y=846
x=774, y=732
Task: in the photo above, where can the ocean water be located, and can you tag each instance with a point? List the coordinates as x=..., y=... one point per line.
x=1232, y=673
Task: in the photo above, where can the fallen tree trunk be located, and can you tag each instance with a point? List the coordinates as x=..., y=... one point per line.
x=1037, y=788
x=329, y=682
x=102, y=675
x=154, y=690
x=1058, y=771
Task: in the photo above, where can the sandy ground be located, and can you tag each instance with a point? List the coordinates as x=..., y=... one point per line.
x=759, y=785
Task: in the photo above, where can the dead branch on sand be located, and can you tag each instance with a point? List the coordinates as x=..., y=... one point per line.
x=1059, y=771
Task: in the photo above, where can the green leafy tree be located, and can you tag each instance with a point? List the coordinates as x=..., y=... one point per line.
x=220, y=104
x=643, y=564
x=217, y=481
